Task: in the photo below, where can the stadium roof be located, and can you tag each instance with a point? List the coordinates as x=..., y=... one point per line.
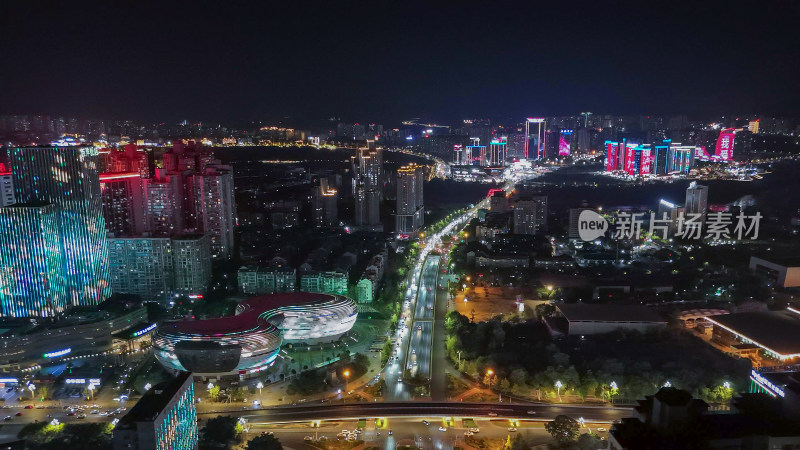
x=580, y=312
x=775, y=331
x=249, y=312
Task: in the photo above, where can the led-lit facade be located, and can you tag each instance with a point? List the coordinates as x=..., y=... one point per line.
x=68, y=178
x=250, y=340
x=164, y=419
x=32, y=268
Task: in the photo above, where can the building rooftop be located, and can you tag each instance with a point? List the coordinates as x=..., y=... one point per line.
x=776, y=331
x=153, y=401
x=786, y=261
x=609, y=313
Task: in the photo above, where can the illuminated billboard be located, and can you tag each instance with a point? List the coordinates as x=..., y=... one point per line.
x=630, y=159
x=564, y=141
x=612, y=156
x=647, y=158
x=724, y=149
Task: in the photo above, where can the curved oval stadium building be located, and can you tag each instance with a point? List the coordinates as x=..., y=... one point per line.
x=251, y=340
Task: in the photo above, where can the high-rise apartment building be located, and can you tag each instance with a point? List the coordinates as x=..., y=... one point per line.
x=164, y=205
x=367, y=185
x=214, y=205
x=68, y=178
x=697, y=199
x=192, y=261
x=324, y=211
x=123, y=203
x=410, y=212
x=158, y=268
x=530, y=215
x=141, y=266
x=32, y=267
x=254, y=280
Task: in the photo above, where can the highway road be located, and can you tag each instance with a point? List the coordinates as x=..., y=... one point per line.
x=418, y=359
x=536, y=412
x=404, y=431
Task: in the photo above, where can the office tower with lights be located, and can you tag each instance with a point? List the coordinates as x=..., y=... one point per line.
x=324, y=212
x=68, y=178
x=212, y=191
x=681, y=157
x=123, y=203
x=32, y=267
x=410, y=209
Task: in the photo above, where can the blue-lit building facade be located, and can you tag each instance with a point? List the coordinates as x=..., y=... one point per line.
x=68, y=179
x=32, y=266
x=164, y=419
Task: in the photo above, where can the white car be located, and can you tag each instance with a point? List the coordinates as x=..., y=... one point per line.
x=512, y=429
x=492, y=414
x=474, y=430
x=442, y=429
x=468, y=433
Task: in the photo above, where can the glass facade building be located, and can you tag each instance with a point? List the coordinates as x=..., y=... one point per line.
x=32, y=267
x=68, y=178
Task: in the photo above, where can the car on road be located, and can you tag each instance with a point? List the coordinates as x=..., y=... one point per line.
x=531, y=412
x=442, y=429
x=602, y=430
x=7, y=418
x=18, y=414
x=82, y=416
x=474, y=430
x=94, y=411
x=308, y=438
x=512, y=429
x=492, y=414
x=426, y=422
x=391, y=432
x=468, y=433
x=29, y=407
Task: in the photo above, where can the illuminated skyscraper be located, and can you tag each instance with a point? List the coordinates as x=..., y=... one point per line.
x=32, y=267
x=410, y=212
x=68, y=178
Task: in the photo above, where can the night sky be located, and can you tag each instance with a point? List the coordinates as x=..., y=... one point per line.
x=380, y=61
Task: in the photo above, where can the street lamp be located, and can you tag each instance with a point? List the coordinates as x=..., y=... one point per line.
x=346, y=374
x=147, y=386
x=259, y=386
x=91, y=391
x=31, y=387
x=559, y=385
x=667, y=384
x=726, y=385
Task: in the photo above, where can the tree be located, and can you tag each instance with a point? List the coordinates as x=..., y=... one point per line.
x=590, y=441
x=218, y=432
x=42, y=392
x=265, y=442
x=564, y=429
x=213, y=393
x=518, y=443
x=454, y=322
